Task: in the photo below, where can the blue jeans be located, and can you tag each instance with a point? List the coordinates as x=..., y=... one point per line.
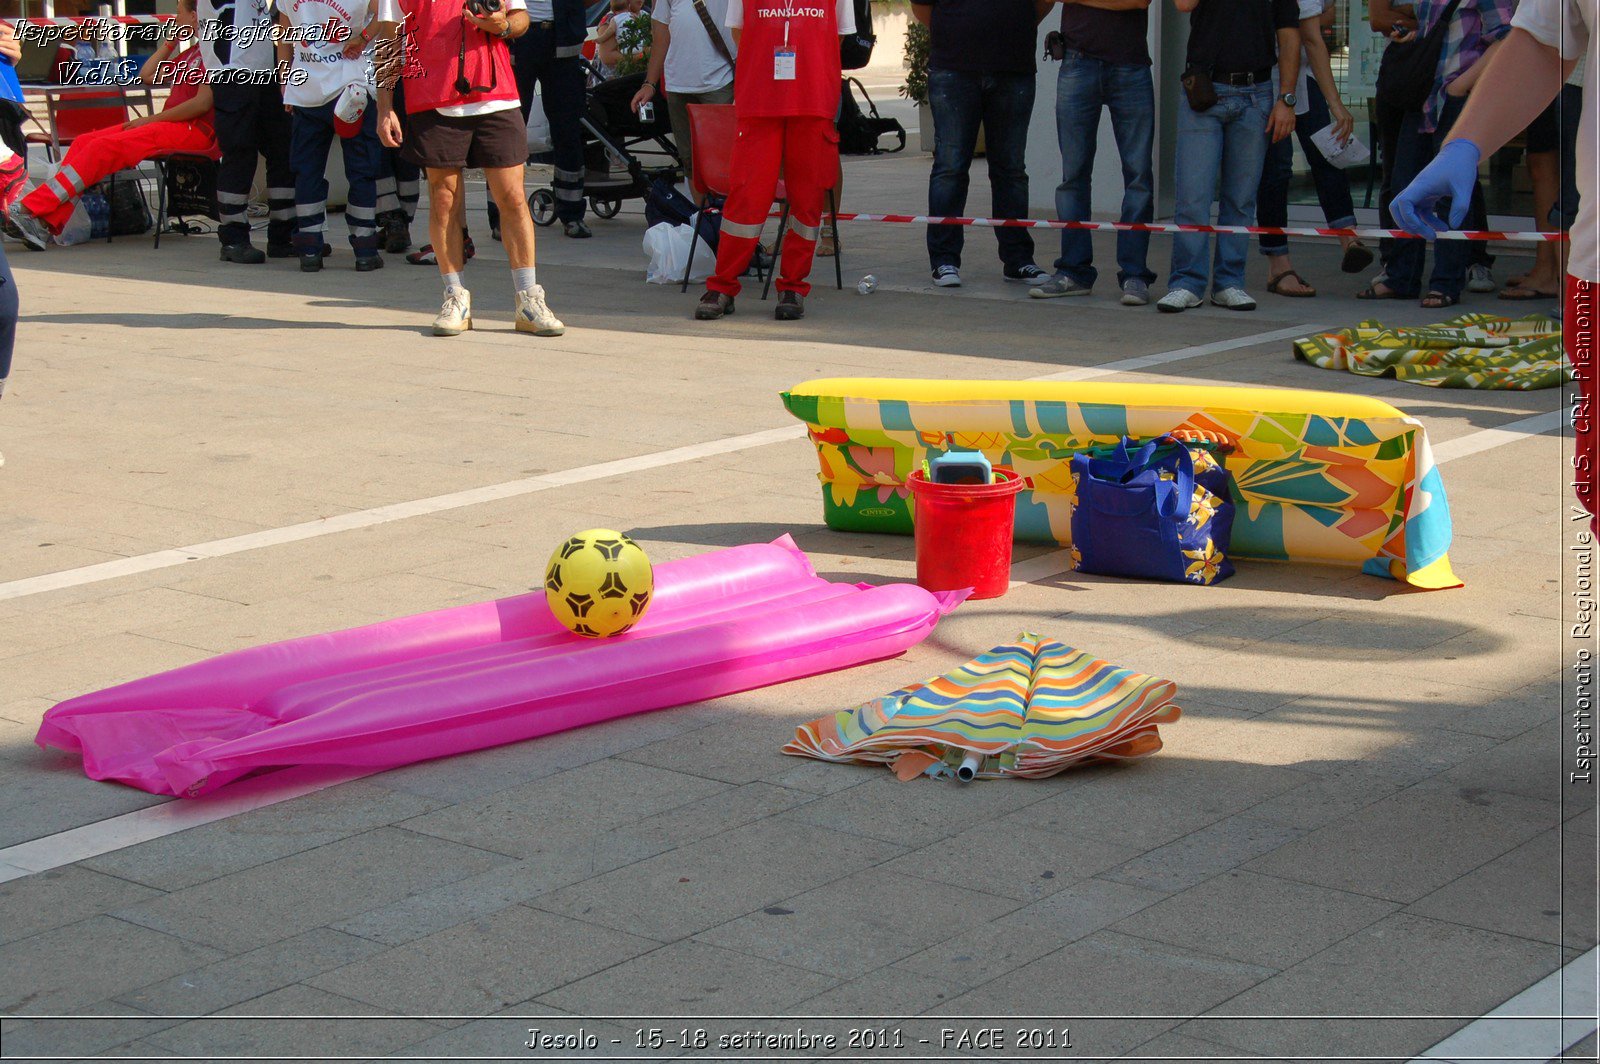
x=1220, y=154
x=1413, y=151
x=1333, y=186
x=1002, y=104
x=1083, y=87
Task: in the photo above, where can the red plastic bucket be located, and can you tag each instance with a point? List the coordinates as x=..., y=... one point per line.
x=964, y=533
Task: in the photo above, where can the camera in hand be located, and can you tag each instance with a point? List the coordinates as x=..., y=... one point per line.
x=482, y=8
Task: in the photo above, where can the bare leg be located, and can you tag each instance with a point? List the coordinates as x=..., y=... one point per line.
x=1544, y=171
x=446, y=205
x=516, y=224
x=1280, y=265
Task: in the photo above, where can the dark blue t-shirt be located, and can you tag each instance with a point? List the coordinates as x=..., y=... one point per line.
x=982, y=36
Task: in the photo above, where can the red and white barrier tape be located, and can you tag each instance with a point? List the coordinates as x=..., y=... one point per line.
x=1157, y=227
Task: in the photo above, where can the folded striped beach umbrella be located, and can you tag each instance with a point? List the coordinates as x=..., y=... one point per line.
x=1030, y=708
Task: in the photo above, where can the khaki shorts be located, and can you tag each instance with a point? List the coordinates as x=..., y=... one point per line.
x=493, y=141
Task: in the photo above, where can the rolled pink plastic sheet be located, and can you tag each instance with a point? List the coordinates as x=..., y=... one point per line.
x=462, y=679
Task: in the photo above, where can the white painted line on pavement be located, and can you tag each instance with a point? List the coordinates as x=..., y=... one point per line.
x=1569, y=992
x=272, y=537
x=169, y=818
x=1127, y=365
x=380, y=515
x=1487, y=439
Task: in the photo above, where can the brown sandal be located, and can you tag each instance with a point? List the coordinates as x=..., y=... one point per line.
x=1371, y=292
x=1275, y=286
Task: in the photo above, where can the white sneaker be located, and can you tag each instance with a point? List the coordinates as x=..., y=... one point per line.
x=534, y=316
x=1480, y=278
x=455, y=317
x=947, y=277
x=1234, y=299
x=1178, y=299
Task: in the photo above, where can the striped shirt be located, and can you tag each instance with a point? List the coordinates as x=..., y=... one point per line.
x=1475, y=26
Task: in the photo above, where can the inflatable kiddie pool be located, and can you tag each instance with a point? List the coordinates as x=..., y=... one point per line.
x=1318, y=476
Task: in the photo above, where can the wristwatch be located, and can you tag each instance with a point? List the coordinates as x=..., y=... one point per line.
x=505, y=34
x=1287, y=98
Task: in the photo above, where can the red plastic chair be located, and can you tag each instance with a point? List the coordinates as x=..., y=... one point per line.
x=712, y=129
x=71, y=116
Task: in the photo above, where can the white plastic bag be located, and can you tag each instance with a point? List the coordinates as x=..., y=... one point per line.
x=538, y=126
x=668, y=248
x=79, y=228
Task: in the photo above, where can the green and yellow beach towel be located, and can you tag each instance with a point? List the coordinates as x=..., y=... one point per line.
x=1472, y=351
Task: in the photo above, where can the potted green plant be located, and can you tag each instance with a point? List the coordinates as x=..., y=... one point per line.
x=915, y=88
x=635, y=40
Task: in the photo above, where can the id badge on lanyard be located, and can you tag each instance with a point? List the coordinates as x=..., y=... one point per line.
x=783, y=61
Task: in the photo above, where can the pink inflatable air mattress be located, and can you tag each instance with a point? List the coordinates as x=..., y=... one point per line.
x=475, y=676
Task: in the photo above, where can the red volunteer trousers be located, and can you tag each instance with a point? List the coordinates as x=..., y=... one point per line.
x=804, y=150
x=1578, y=336
x=93, y=157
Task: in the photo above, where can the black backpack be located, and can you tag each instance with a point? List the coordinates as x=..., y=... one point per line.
x=859, y=131
x=855, y=50
x=1407, y=72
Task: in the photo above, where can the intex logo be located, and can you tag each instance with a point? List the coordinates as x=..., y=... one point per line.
x=877, y=511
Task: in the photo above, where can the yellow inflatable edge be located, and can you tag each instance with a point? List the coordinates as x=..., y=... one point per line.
x=1185, y=396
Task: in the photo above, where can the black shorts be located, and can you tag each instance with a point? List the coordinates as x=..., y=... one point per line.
x=492, y=141
x=1544, y=133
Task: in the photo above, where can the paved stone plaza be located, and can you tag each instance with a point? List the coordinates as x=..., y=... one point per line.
x=1362, y=812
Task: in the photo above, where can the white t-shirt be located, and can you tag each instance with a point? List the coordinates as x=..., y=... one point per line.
x=1569, y=26
x=328, y=72
x=390, y=11
x=236, y=35
x=846, y=9
x=693, y=62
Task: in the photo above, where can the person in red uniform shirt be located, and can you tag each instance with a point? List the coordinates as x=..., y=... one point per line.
x=185, y=125
x=786, y=96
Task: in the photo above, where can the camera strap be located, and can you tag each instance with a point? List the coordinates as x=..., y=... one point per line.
x=714, y=33
x=463, y=86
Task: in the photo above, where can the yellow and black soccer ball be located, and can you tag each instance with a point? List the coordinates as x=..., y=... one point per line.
x=598, y=583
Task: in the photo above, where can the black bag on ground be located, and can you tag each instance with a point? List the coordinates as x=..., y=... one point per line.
x=855, y=49
x=130, y=214
x=1408, y=69
x=192, y=189
x=664, y=203
x=860, y=131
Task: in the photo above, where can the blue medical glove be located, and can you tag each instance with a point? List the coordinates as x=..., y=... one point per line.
x=1453, y=173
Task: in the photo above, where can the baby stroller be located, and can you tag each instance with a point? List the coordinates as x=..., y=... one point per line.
x=613, y=132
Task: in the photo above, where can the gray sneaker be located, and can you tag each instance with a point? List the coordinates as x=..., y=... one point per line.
x=1059, y=285
x=1480, y=279
x=34, y=232
x=1135, y=293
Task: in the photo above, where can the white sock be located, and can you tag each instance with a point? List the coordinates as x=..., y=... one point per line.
x=452, y=280
x=523, y=279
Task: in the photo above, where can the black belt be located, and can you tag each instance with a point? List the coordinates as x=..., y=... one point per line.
x=1242, y=77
